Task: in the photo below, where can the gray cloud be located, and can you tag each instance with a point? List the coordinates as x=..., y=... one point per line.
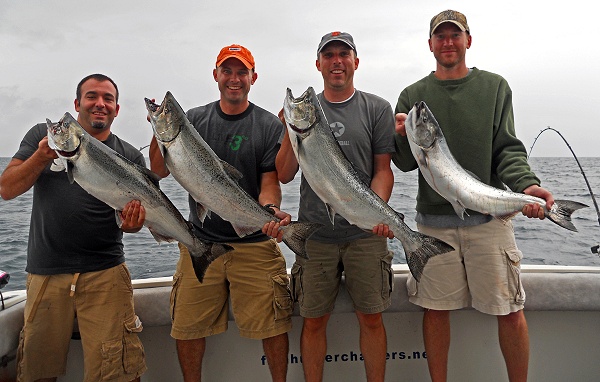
x=149, y=47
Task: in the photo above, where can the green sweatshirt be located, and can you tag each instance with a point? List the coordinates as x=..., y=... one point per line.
x=476, y=115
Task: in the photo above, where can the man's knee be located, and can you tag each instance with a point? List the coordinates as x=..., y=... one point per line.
x=370, y=321
x=315, y=324
x=515, y=319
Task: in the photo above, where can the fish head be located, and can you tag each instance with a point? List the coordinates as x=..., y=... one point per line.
x=167, y=119
x=64, y=137
x=421, y=126
x=301, y=113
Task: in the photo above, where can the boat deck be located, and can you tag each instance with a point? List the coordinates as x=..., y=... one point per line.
x=562, y=309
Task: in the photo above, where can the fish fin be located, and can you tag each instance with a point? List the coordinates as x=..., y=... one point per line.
x=204, y=253
x=233, y=172
x=400, y=215
x=561, y=211
x=154, y=178
x=58, y=165
x=507, y=217
x=295, y=235
x=158, y=237
x=163, y=150
x=202, y=212
x=421, y=158
x=243, y=230
x=330, y=213
x=473, y=175
x=460, y=209
x=70, y=172
x=118, y=218
x=426, y=248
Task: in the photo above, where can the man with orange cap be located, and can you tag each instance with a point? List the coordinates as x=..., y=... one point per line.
x=254, y=274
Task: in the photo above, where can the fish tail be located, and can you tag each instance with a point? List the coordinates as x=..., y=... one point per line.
x=428, y=247
x=204, y=254
x=295, y=235
x=561, y=211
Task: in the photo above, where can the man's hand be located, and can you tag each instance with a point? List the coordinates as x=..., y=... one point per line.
x=133, y=216
x=383, y=230
x=535, y=210
x=272, y=228
x=400, y=124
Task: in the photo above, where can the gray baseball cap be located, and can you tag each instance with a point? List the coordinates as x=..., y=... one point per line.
x=344, y=37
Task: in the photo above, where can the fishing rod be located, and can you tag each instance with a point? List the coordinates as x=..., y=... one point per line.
x=595, y=248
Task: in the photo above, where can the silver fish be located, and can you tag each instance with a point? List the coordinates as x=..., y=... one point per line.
x=338, y=185
x=461, y=188
x=115, y=180
x=212, y=182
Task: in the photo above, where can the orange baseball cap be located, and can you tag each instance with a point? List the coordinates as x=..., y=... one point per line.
x=236, y=51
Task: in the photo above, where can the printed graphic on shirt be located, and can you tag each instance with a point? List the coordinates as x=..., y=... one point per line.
x=236, y=142
x=338, y=129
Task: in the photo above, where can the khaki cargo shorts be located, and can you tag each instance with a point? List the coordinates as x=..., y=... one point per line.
x=253, y=276
x=367, y=267
x=103, y=304
x=484, y=271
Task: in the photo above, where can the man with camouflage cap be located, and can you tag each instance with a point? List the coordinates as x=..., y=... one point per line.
x=474, y=110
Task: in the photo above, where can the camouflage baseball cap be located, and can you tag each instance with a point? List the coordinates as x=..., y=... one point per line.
x=449, y=16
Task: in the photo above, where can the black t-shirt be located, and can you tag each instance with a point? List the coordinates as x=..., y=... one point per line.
x=249, y=142
x=70, y=230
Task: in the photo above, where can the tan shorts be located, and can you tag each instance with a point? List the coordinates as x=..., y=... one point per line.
x=253, y=275
x=103, y=304
x=366, y=264
x=484, y=271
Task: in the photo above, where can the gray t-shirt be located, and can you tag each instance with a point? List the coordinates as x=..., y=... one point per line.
x=364, y=127
x=249, y=142
x=70, y=230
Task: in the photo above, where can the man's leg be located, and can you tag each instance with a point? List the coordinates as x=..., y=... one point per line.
x=514, y=343
x=276, y=350
x=373, y=345
x=313, y=347
x=190, y=354
x=436, y=335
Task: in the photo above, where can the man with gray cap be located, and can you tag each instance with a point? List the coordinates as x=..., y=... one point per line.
x=364, y=125
x=474, y=110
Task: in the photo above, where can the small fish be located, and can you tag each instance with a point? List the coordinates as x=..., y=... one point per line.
x=115, y=180
x=339, y=186
x=461, y=188
x=212, y=182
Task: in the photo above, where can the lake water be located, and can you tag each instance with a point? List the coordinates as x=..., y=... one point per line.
x=541, y=242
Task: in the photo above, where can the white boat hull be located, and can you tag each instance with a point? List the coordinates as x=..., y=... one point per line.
x=562, y=310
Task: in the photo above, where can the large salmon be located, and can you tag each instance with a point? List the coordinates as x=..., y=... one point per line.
x=115, y=180
x=338, y=185
x=211, y=181
x=461, y=188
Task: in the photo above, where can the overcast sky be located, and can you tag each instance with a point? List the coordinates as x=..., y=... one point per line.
x=546, y=50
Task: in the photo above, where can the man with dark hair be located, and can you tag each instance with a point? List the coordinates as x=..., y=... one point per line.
x=75, y=259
